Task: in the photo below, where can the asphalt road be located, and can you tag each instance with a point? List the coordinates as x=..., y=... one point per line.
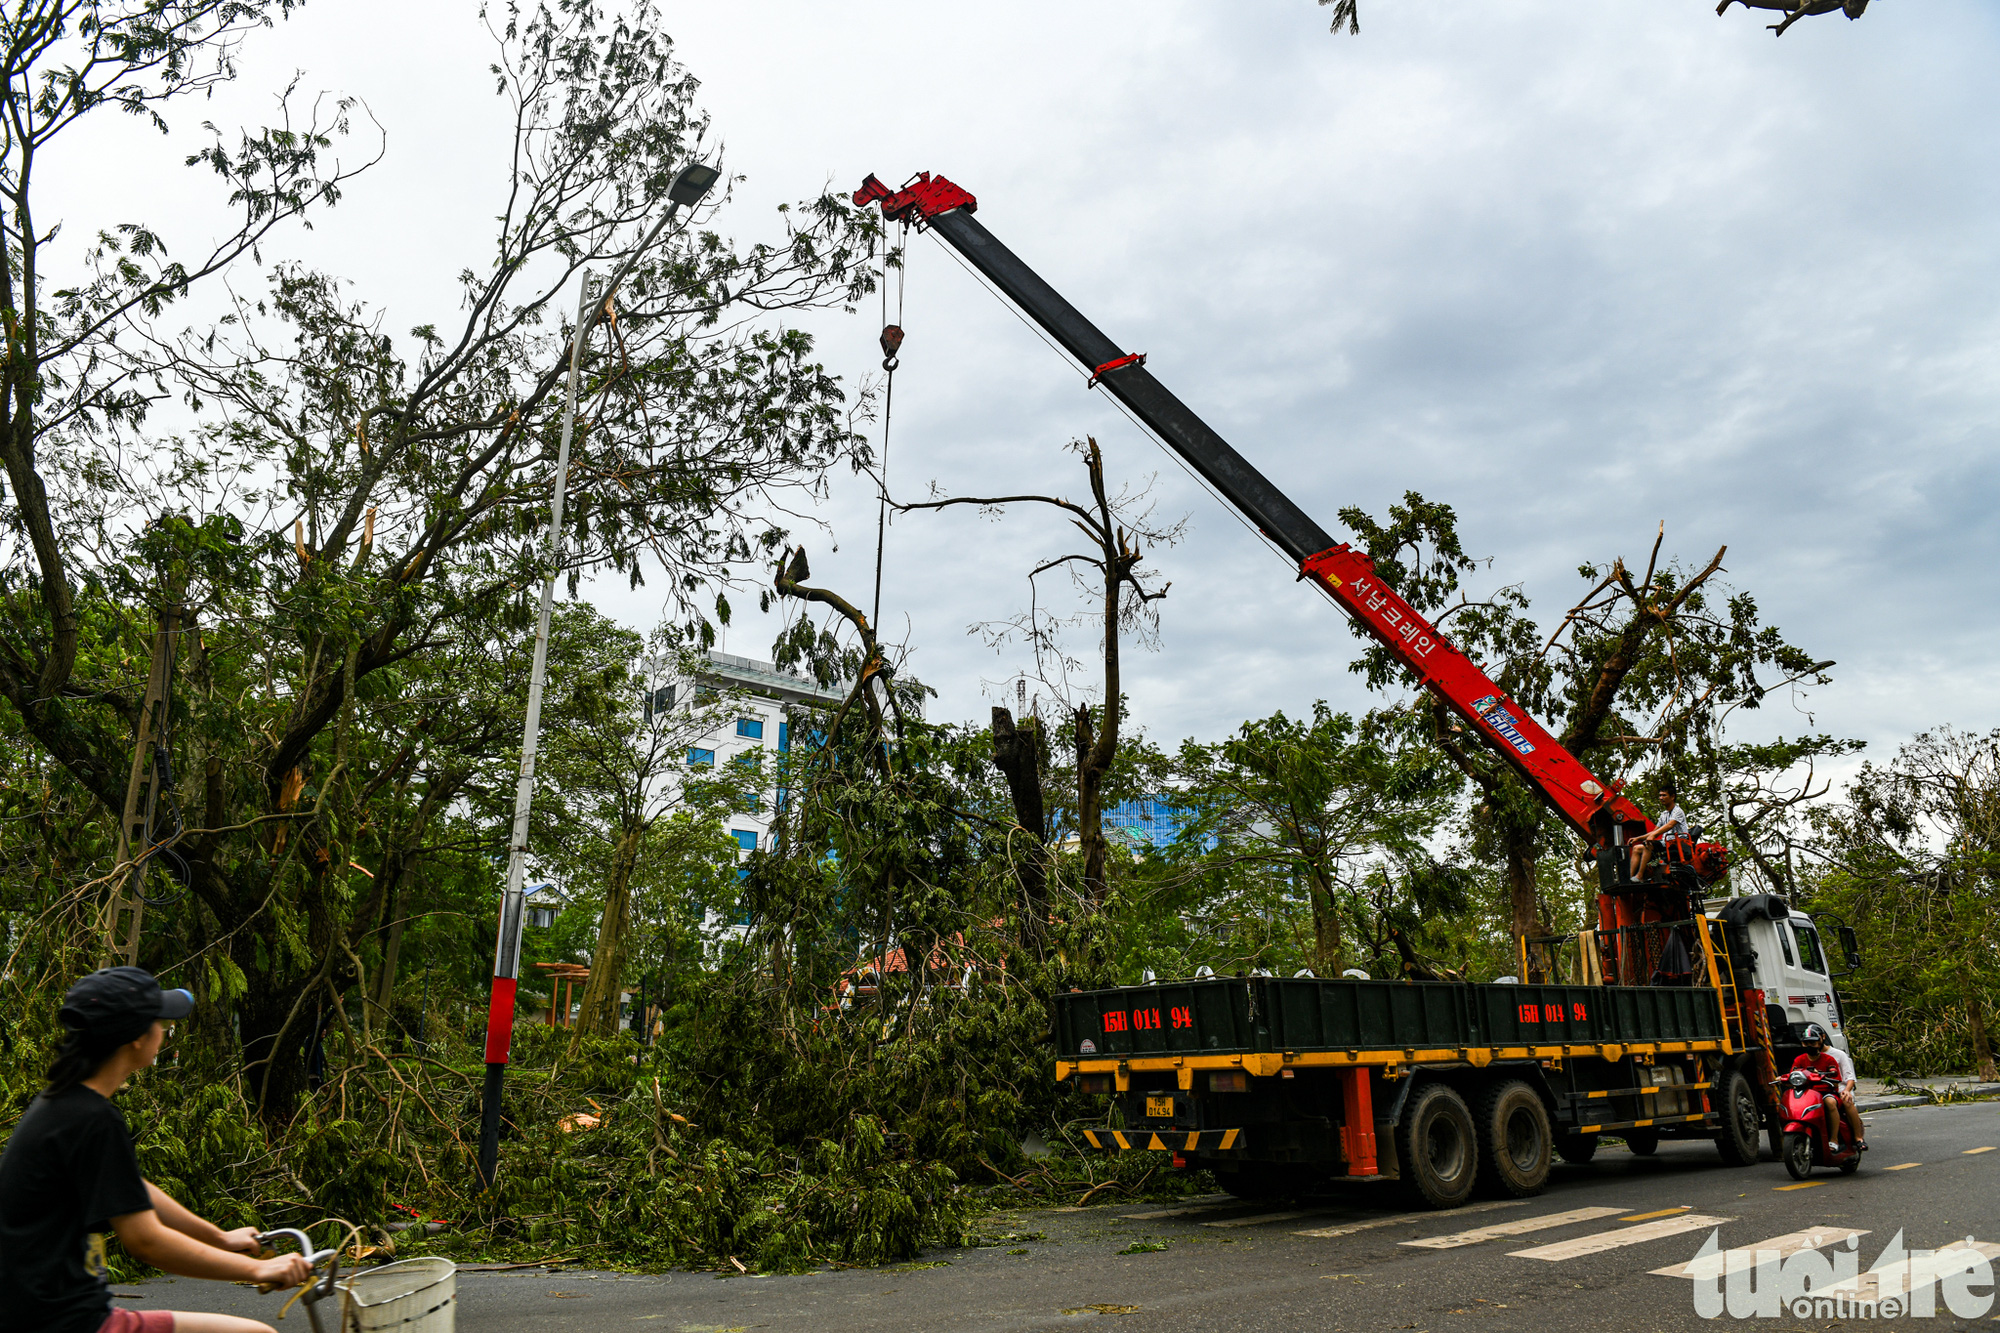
x=1220, y=1266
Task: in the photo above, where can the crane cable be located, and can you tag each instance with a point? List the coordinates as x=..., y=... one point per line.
x=1203, y=482
x=892, y=342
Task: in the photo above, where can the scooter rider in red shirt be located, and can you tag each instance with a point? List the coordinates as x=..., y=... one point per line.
x=1820, y=1059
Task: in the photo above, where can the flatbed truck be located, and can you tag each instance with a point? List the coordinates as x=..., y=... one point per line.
x=1670, y=1017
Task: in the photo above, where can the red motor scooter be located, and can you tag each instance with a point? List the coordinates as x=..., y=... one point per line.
x=1802, y=1110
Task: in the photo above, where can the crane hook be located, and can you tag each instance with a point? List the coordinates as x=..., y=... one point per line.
x=892, y=342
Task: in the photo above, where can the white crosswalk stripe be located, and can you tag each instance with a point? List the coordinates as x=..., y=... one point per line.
x=1190, y=1209
x=1261, y=1218
x=1622, y=1236
x=1761, y=1252
x=1402, y=1219
x=1520, y=1226
x=1910, y=1273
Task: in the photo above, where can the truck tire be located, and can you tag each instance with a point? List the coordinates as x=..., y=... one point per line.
x=1438, y=1147
x=1515, y=1145
x=1736, y=1140
x=1576, y=1149
x=1645, y=1140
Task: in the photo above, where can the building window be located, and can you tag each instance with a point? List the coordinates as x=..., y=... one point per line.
x=750, y=728
x=700, y=758
x=746, y=838
x=784, y=737
x=541, y=917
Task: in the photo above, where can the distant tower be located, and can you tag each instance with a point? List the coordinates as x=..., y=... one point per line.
x=1021, y=697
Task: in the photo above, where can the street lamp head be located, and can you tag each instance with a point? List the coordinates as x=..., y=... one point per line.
x=693, y=184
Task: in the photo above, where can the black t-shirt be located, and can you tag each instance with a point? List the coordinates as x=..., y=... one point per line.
x=68, y=1170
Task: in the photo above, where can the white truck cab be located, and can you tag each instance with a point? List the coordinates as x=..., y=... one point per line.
x=1790, y=961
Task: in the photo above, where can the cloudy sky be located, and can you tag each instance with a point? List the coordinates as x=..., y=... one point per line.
x=1573, y=266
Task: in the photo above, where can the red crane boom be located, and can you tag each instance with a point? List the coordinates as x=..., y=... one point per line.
x=1596, y=810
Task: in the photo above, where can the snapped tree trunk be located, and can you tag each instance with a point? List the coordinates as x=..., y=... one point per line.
x=1090, y=800
x=1017, y=753
x=1326, y=923
x=392, y=940
x=1523, y=909
x=1982, y=1044
x=601, y=994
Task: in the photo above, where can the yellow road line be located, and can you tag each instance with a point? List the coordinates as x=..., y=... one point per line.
x=1802, y=1185
x=1664, y=1212
x=1970, y=1151
x=1902, y=1166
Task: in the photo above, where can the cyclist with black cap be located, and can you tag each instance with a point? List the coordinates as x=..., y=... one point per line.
x=69, y=1174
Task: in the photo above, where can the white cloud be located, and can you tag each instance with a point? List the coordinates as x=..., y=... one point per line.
x=1574, y=266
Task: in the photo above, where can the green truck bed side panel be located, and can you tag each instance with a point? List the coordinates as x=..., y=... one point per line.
x=1222, y=1016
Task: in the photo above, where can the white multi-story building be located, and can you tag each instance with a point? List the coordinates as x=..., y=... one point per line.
x=765, y=702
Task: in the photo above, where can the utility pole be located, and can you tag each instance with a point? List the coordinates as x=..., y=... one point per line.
x=688, y=188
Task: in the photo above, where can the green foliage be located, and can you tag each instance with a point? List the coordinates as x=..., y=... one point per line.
x=349, y=528
x=1911, y=861
x=1313, y=802
x=1639, y=680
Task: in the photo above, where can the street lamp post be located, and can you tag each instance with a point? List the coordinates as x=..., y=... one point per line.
x=688, y=188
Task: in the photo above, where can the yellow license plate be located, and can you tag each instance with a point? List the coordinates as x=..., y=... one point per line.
x=1160, y=1106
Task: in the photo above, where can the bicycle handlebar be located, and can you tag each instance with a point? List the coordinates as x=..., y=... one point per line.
x=323, y=1286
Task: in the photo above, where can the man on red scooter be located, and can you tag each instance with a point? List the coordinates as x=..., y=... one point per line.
x=1836, y=1069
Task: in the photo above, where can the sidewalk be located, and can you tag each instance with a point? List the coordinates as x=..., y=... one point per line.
x=1877, y=1094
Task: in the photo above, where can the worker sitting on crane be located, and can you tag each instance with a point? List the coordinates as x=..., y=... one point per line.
x=69, y=1174
x=1672, y=824
x=1824, y=1058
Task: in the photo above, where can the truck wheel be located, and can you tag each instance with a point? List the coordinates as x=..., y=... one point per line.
x=1438, y=1146
x=1736, y=1140
x=1514, y=1147
x=1576, y=1149
x=1798, y=1155
x=1644, y=1141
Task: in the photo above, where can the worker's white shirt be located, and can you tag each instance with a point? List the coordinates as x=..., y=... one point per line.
x=1673, y=824
x=1846, y=1063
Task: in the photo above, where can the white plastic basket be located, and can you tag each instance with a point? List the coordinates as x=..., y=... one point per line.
x=408, y=1296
